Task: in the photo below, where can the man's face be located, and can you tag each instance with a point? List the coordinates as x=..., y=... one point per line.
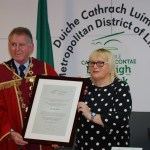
x=20, y=48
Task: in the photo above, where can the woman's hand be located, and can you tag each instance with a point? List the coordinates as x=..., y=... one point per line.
x=82, y=107
x=85, y=90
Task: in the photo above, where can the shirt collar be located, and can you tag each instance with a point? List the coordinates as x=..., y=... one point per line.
x=17, y=64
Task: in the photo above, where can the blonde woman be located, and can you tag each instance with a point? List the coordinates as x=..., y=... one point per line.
x=105, y=110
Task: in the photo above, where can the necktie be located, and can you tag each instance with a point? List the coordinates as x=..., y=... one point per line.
x=22, y=68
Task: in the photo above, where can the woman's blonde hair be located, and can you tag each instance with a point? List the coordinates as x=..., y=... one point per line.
x=109, y=57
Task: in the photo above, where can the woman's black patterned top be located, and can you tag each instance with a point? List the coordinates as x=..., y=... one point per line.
x=114, y=104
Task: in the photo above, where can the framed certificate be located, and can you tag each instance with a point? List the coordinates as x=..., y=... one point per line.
x=53, y=112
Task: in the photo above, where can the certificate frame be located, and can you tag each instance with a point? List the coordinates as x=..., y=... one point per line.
x=52, y=114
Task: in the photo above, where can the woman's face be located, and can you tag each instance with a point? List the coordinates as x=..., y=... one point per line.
x=99, y=68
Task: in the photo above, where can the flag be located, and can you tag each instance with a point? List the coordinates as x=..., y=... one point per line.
x=43, y=37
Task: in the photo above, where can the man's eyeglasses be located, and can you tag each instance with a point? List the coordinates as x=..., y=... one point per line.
x=98, y=63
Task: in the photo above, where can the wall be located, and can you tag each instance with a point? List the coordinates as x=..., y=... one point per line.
x=15, y=13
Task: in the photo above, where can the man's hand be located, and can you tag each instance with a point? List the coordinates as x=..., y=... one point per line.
x=17, y=138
